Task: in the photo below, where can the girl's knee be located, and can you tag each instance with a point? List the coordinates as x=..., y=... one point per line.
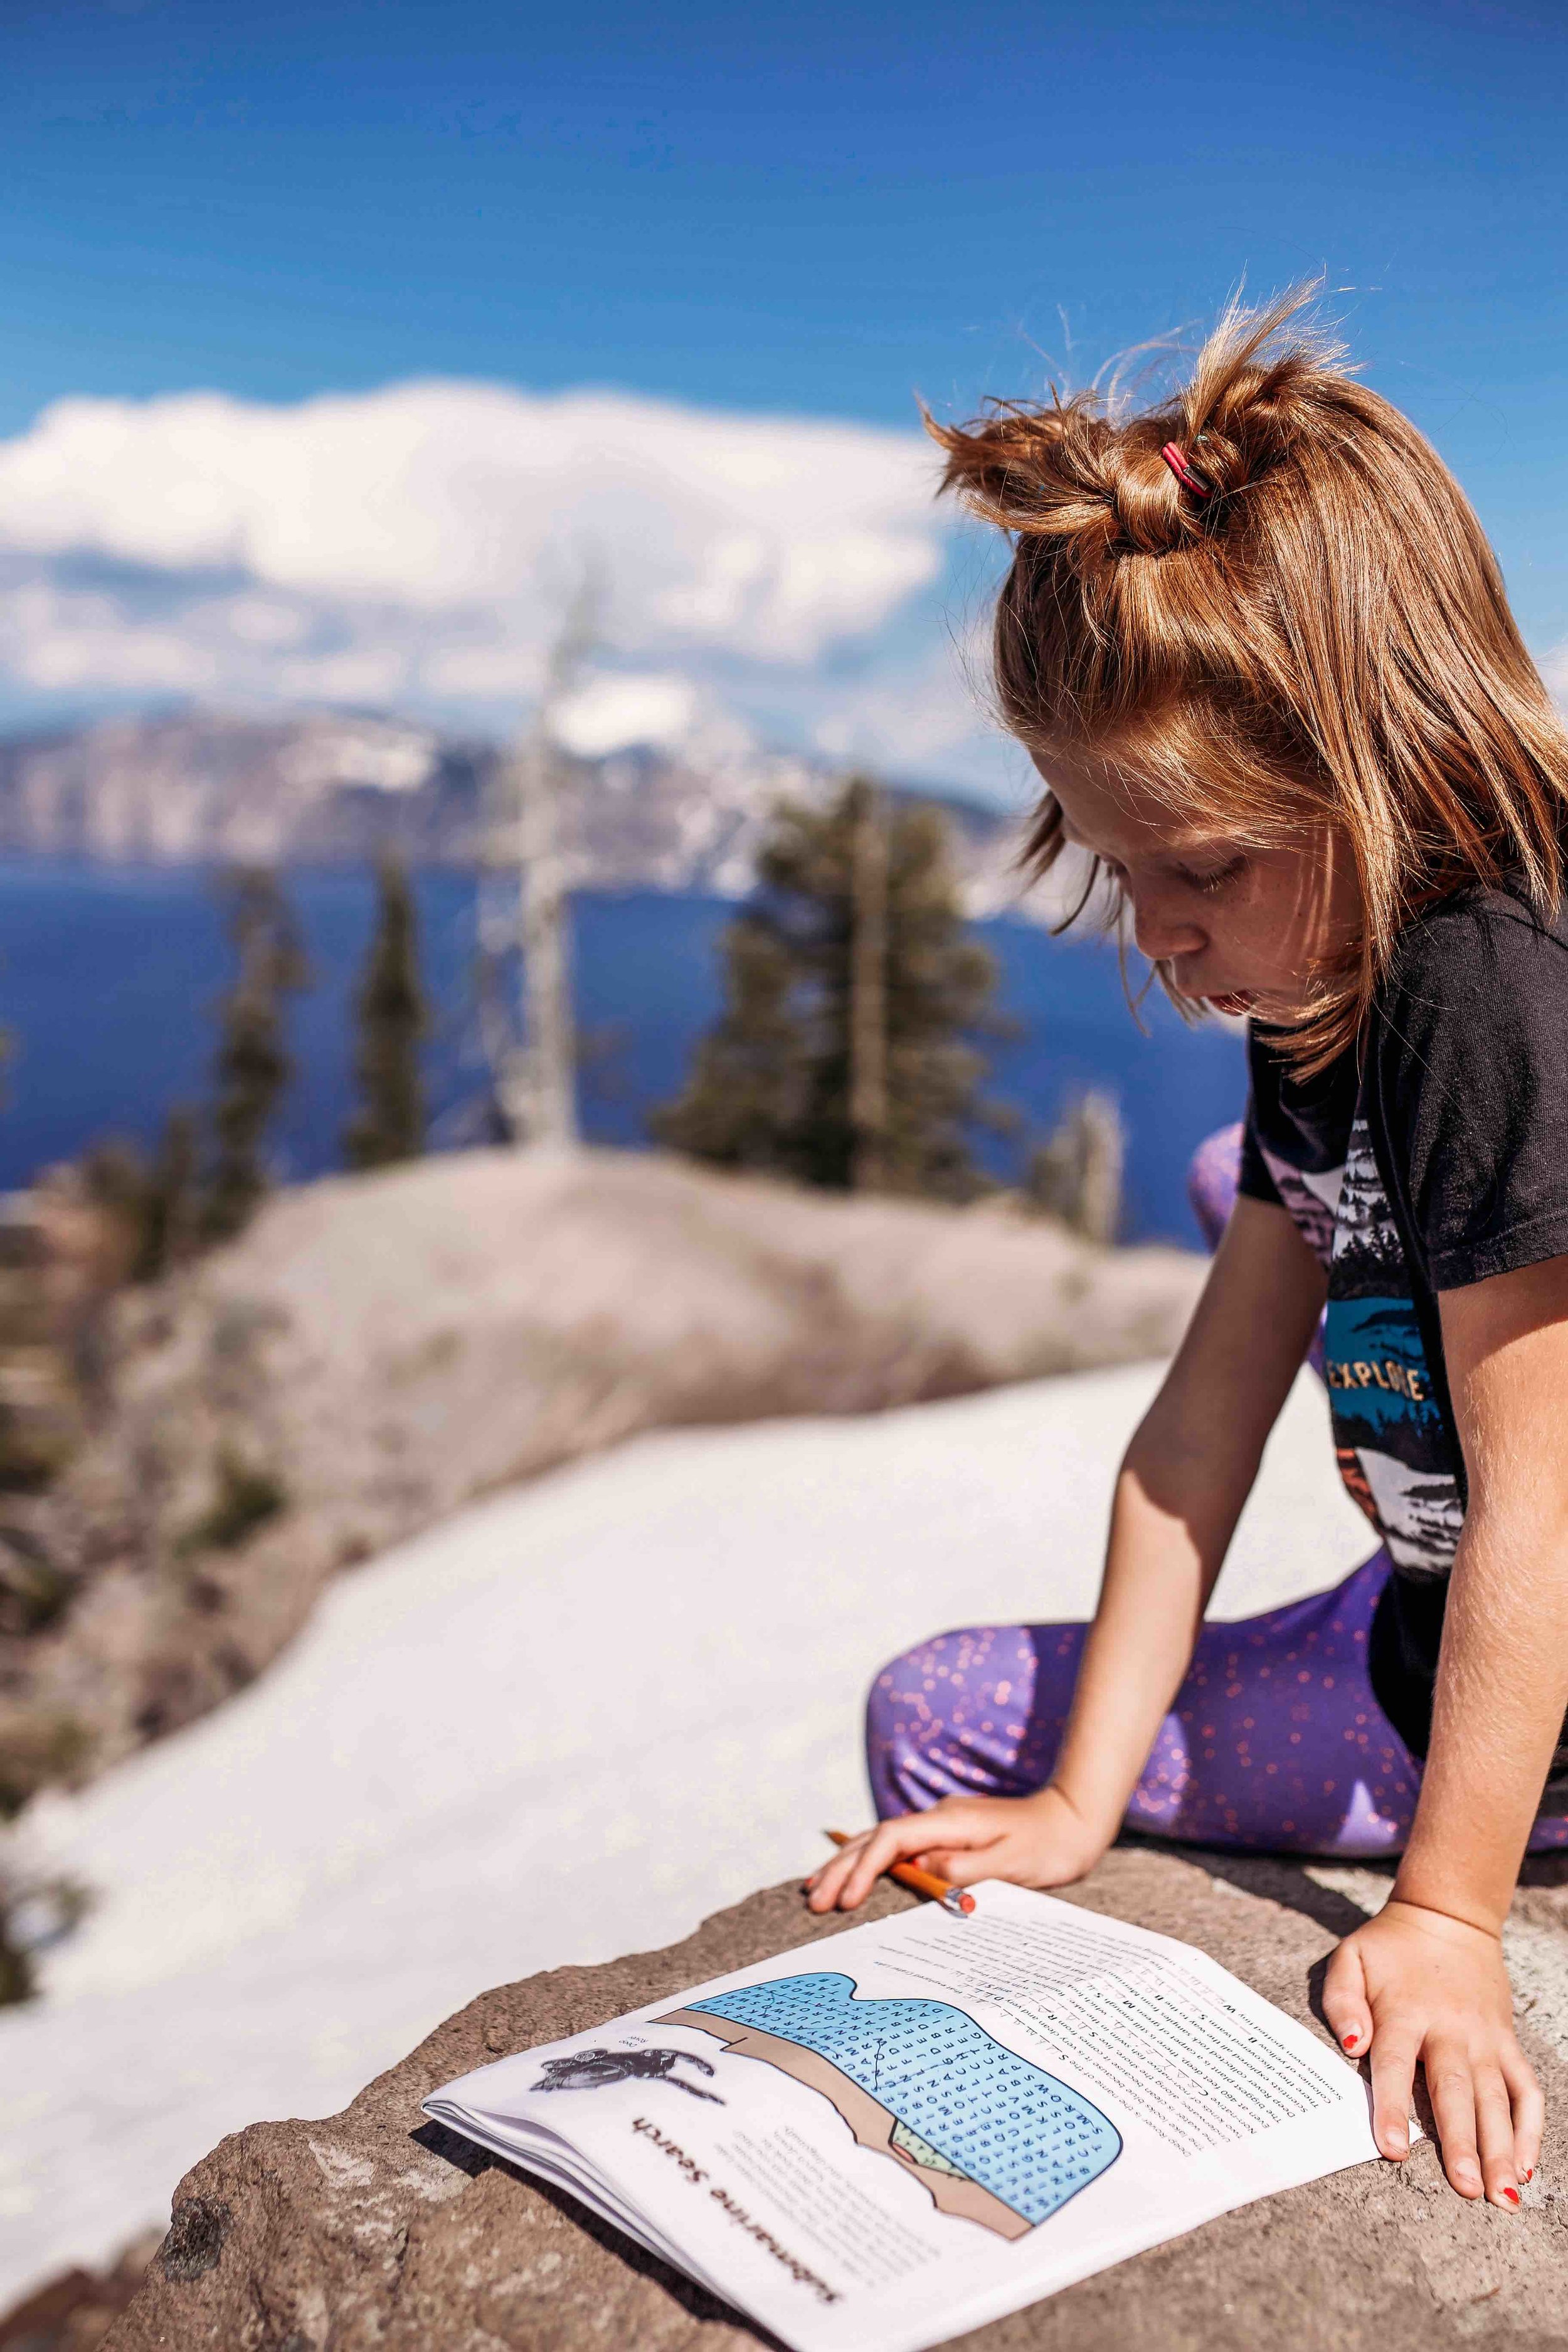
x=1211, y=1179
x=905, y=1686
x=947, y=1717
x=906, y=1717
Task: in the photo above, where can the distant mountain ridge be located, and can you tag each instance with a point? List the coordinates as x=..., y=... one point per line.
x=327, y=787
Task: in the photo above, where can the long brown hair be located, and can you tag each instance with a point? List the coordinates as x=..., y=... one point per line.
x=1313, y=642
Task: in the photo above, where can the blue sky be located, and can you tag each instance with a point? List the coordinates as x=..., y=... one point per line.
x=811, y=216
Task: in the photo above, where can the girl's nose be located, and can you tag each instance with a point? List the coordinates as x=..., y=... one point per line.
x=1162, y=931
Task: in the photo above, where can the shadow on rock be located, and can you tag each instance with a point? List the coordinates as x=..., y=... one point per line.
x=469, y=2159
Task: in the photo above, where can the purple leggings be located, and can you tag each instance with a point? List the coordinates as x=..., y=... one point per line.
x=1274, y=1739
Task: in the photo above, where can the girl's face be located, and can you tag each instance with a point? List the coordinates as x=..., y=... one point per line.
x=1237, y=927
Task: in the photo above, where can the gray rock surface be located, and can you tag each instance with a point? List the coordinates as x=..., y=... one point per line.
x=373, y=2228
x=319, y=787
x=376, y=1351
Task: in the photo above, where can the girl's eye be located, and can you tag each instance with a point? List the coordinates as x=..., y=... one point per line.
x=1217, y=876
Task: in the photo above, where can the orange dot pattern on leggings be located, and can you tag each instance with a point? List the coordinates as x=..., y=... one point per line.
x=1274, y=1741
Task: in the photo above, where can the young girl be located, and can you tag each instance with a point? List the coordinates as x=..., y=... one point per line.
x=1260, y=652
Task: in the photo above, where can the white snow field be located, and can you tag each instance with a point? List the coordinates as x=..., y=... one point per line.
x=565, y=1724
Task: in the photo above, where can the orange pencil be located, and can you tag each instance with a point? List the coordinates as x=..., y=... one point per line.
x=956, y=1899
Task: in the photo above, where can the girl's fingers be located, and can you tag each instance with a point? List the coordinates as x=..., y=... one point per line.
x=1529, y=2110
x=1494, y=2138
x=837, y=1864
x=966, y=1869
x=889, y=1843
x=1345, y=2003
x=1394, y=2053
x=824, y=1886
x=852, y=1874
x=1451, y=2087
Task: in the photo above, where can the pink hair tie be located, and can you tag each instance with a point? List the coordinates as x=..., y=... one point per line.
x=1175, y=457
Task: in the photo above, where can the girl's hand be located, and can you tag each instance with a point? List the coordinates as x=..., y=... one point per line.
x=1038, y=1841
x=1413, y=1985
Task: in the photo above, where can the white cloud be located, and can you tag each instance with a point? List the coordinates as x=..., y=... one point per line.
x=415, y=547
x=762, y=536
x=65, y=642
x=610, y=712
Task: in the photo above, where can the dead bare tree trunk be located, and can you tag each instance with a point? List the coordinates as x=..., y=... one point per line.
x=1078, y=1174
x=534, y=1062
x=868, y=993
x=549, y=1057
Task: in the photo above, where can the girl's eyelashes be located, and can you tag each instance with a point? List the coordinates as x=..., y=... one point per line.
x=1216, y=876
x=1210, y=881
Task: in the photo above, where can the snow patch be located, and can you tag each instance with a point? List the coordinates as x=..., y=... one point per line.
x=566, y=1725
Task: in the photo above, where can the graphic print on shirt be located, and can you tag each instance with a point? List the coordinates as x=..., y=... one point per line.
x=1393, y=1451
x=1312, y=1197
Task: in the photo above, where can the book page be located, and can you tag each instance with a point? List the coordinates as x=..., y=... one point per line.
x=925, y=2123
x=1200, y=2070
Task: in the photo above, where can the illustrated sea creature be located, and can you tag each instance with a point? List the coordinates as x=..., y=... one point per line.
x=591, y=2068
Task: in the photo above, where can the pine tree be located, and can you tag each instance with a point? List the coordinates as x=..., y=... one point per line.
x=773, y=1084
x=150, y=1200
x=390, y=1124
x=253, y=1064
x=745, y=1099
x=172, y=1212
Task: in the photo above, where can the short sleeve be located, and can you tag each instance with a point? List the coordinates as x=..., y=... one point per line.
x=1292, y=1124
x=1254, y=1177
x=1470, y=1088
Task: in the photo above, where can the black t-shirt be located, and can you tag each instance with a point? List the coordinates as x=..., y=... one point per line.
x=1432, y=1153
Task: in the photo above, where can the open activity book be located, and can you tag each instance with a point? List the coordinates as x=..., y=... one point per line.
x=887, y=2139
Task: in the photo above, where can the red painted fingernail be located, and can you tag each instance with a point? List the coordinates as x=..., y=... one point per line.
x=1350, y=2040
x=1512, y=2194
x=1530, y=2174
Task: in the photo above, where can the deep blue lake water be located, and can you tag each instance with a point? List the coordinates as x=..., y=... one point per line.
x=109, y=977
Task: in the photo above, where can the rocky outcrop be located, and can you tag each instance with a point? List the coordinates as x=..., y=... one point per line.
x=59, y=1264
x=375, y=2229
x=75, y=2311
x=323, y=787
x=377, y=1351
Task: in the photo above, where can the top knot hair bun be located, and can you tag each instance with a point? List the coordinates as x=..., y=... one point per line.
x=1177, y=461
x=1071, y=469
x=1267, y=597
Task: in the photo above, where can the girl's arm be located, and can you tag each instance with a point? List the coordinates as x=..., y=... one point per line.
x=1186, y=1476
x=1424, y=1980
